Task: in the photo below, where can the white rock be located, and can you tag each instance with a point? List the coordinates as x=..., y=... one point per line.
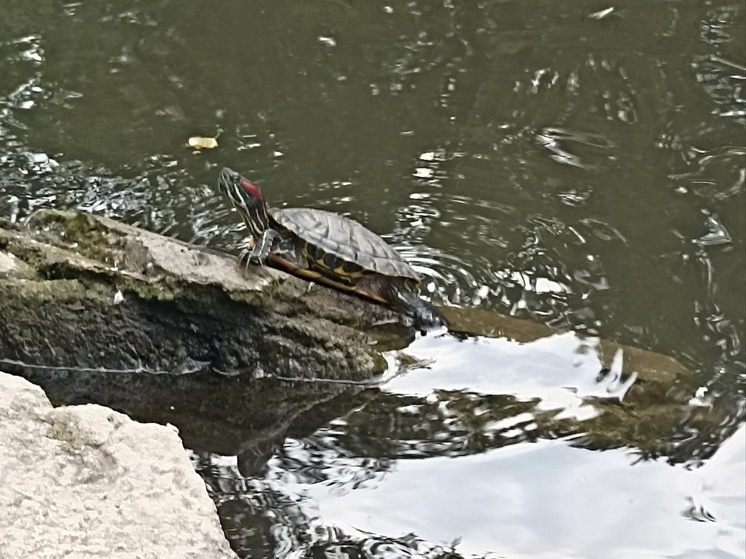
x=86, y=481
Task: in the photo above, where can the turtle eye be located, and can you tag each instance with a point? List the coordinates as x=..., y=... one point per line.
x=252, y=189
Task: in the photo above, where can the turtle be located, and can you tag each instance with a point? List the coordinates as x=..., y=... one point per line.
x=328, y=249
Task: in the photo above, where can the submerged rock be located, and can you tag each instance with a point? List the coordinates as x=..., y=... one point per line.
x=86, y=481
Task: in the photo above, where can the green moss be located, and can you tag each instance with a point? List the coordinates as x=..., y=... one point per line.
x=56, y=290
x=255, y=298
x=90, y=235
x=380, y=366
x=153, y=291
x=63, y=433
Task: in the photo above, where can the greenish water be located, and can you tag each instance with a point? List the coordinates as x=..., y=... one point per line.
x=581, y=164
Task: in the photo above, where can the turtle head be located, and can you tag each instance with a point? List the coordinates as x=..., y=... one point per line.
x=247, y=198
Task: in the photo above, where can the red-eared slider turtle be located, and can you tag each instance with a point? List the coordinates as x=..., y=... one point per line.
x=329, y=249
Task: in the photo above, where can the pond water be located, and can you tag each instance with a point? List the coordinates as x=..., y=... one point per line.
x=579, y=164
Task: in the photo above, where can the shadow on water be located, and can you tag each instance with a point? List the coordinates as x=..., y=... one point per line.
x=577, y=164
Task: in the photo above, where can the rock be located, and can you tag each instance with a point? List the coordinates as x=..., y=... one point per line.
x=12, y=267
x=86, y=481
x=135, y=300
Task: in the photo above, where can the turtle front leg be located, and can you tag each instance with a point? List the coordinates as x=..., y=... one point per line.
x=264, y=246
x=256, y=252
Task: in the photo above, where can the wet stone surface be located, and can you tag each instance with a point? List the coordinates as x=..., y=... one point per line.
x=88, y=481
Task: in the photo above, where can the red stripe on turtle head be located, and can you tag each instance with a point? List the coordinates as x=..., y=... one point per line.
x=252, y=189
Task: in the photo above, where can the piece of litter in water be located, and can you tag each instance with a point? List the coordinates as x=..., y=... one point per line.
x=199, y=142
x=118, y=297
x=602, y=14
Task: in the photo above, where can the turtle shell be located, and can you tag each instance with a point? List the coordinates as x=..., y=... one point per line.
x=345, y=239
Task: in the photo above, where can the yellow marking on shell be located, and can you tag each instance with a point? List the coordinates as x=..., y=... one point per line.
x=346, y=280
x=323, y=280
x=340, y=271
x=313, y=257
x=304, y=272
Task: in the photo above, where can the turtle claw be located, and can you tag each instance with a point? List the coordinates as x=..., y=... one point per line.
x=259, y=254
x=251, y=254
x=248, y=258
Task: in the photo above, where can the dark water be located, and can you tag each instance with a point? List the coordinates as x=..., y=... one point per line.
x=581, y=164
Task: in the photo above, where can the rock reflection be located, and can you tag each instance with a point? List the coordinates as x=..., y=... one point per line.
x=392, y=427
x=578, y=393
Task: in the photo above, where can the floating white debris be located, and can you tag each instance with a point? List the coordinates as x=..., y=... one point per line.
x=423, y=173
x=602, y=14
x=199, y=142
x=118, y=297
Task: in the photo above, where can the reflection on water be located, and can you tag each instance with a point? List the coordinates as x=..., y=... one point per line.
x=479, y=457
x=550, y=488
x=579, y=165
